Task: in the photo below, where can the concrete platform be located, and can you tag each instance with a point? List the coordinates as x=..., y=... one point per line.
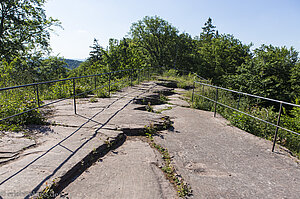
x=129, y=172
x=221, y=161
x=70, y=139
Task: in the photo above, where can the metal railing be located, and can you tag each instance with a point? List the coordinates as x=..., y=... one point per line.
x=237, y=109
x=143, y=72
x=132, y=75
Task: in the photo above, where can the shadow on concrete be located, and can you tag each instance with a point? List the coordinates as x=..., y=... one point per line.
x=41, y=129
x=73, y=152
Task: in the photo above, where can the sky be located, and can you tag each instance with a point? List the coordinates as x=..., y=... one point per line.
x=275, y=22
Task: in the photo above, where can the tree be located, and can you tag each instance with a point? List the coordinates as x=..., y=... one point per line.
x=51, y=68
x=208, y=31
x=268, y=73
x=24, y=27
x=157, y=38
x=219, y=55
x=97, y=53
x=295, y=81
x=186, y=50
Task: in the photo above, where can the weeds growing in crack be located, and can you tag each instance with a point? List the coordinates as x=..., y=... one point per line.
x=165, y=109
x=163, y=99
x=108, y=143
x=150, y=131
x=93, y=100
x=48, y=192
x=167, y=123
x=149, y=108
x=183, y=189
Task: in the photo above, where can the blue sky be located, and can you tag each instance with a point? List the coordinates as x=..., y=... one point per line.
x=275, y=22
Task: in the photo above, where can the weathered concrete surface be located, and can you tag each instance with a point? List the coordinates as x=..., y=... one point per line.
x=220, y=161
x=217, y=160
x=178, y=99
x=131, y=171
x=12, y=146
x=71, y=138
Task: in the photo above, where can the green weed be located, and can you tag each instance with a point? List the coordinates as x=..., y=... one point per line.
x=149, y=108
x=183, y=189
x=93, y=100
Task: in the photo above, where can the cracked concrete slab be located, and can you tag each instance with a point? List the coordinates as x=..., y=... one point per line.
x=71, y=138
x=221, y=161
x=131, y=171
x=12, y=146
x=217, y=160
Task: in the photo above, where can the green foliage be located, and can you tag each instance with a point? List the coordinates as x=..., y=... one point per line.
x=71, y=63
x=101, y=93
x=183, y=81
x=24, y=37
x=221, y=56
x=163, y=99
x=17, y=72
x=24, y=28
x=58, y=90
x=295, y=80
x=291, y=121
x=157, y=38
x=183, y=189
x=51, y=68
x=93, y=100
x=268, y=73
x=11, y=104
x=209, y=31
x=149, y=108
x=250, y=124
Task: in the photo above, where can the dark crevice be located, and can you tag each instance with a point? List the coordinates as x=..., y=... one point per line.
x=168, y=83
x=98, y=153
x=87, y=162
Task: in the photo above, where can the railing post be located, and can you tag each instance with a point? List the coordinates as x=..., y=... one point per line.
x=138, y=75
x=238, y=105
x=37, y=94
x=109, y=77
x=95, y=82
x=216, y=102
x=74, y=95
x=131, y=77
x=193, y=92
x=276, y=131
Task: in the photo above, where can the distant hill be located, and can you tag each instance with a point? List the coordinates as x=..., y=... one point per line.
x=71, y=63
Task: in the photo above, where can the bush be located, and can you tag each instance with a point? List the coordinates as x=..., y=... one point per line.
x=16, y=105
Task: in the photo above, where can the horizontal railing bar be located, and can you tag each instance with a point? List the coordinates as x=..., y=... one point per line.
x=56, y=101
x=251, y=95
x=48, y=82
x=34, y=109
x=249, y=115
x=90, y=90
x=60, y=80
x=120, y=71
x=117, y=82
